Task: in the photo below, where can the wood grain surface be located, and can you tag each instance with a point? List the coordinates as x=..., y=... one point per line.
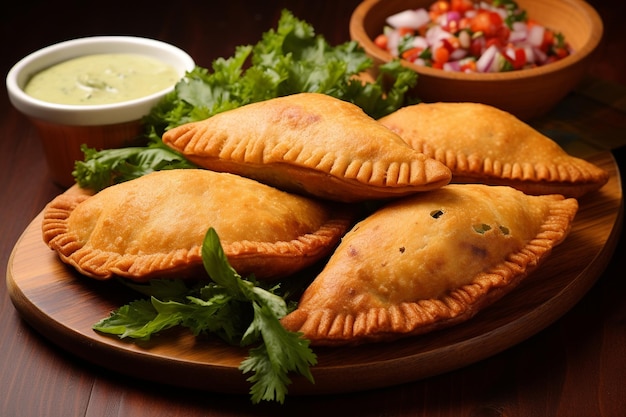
x=63, y=305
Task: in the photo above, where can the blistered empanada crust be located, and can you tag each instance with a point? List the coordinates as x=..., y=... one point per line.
x=309, y=143
x=154, y=226
x=429, y=261
x=482, y=144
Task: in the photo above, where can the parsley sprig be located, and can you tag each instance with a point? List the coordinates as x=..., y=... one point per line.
x=237, y=310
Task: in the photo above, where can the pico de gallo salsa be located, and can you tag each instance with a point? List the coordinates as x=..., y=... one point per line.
x=471, y=36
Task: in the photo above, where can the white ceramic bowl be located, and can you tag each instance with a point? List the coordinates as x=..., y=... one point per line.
x=64, y=128
x=91, y=115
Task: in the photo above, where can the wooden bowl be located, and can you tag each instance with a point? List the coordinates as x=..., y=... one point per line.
x=527, y=93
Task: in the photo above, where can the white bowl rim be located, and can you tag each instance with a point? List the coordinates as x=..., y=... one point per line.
x=81, y=115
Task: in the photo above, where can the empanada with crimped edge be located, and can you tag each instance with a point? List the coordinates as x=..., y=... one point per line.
x=309, y=143
x=483, y=144
x=429, y=261
x=154, y=226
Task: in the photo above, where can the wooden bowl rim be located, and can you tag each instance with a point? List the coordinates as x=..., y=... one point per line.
x=358, y=33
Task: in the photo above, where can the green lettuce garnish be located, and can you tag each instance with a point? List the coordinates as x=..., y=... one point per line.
x=287, y=60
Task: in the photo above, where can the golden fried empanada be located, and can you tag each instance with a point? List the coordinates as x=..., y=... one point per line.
x=154, y=226
x=309, y=143
x=428, y=261
x=482, y=144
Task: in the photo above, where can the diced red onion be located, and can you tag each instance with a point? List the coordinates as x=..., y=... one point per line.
x=498, y=62
x=437, y=45
x=393, y=40
x=500, y=11
x=535, y=35
x=478, y=44
x=452, y=66
x=519, y=32
x=540, y=56
x=517, y=37
x=467, y=61
x=510, y=52
x=458, y=53
x=420, y=42
x=413, y=19
x=493, y=59
x=530, y=54
x=519, y=26
x=452, y=16
x=436, y=34
x=483, y=64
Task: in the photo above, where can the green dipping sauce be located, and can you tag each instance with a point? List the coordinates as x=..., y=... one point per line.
x=101, y=79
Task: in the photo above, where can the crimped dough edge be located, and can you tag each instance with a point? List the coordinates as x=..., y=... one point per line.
x=324, y=327
x=267, y=260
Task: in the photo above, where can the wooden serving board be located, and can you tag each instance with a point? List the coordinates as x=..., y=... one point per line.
x=63, y=306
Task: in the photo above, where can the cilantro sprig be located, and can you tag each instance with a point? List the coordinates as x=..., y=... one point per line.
x=237, y=310
x=289, y=59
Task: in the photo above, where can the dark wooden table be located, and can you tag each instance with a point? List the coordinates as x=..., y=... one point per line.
x=575, y=367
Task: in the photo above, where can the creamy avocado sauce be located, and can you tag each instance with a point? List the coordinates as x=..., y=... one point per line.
x=101, y=79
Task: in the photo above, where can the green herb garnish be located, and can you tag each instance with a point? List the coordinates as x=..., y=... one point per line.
x=513, y=12
x=101, y=169
x=237, y=310
x=290, y=59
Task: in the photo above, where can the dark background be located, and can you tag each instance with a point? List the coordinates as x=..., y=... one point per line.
x=221, y=22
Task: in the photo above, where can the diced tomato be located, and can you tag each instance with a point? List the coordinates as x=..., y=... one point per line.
x=467, y=28
x=477, y=46
x=411, y=54
x=403, y=31
x=452, y=26
x=438, y=8
x=503, y=34
x=465, y=23
x=469, y=66
x=561, y=52
x=487, y=22
x=450, y=44
x=548, y=40
x=518, y=60
x=381, y=41
x=492, y=41
x=441, y=55
x=550, y=59
x=461, y=6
